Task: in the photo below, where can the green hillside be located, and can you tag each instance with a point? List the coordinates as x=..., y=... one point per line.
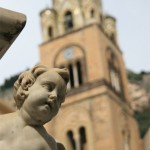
x=143, y=120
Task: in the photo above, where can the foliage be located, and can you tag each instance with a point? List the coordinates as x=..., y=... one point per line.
x=134, y=76
x=9, y=82
x=143, y=119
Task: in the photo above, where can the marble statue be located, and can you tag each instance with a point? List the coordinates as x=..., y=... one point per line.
x=38, y=93
x=11, y=25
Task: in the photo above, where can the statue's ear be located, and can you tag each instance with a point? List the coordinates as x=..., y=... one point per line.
x=60, y=146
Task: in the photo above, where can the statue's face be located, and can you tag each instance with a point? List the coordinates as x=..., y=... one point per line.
x=45, y=97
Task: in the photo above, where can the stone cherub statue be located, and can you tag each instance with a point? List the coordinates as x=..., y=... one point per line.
x=38, y=93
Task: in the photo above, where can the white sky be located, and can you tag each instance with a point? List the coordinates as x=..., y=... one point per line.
x=133, y=24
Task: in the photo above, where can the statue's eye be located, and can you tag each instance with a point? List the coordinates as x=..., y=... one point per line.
x=49, y=86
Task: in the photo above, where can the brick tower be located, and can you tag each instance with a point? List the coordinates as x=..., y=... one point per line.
x=96, y=114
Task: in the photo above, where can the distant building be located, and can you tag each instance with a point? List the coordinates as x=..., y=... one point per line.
x=139, y=92
x=96, y=114
x=140, y=98
x=5, y=107
x=7, y=104
x=146, y=82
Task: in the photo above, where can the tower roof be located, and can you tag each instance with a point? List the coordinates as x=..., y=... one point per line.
x=47, y=9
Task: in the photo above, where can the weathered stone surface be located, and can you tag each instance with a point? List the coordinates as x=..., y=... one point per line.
x=38, y=93
x=11, y=24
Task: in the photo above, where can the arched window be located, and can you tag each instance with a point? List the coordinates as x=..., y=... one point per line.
x=101, y=18
x=71, y=73
x=112, y=37
x=126, y=140
x=114, y=73
x=50, y=32
x=83, y=141
x=79, y=70
x=72, y=58
x=92, y=13
x=77, y=140
x=76, y=74
x=71, y=139
x=68, y=21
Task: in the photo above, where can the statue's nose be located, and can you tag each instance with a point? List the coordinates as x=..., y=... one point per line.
x=53, y=95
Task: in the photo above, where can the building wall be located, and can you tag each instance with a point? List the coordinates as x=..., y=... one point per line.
x=94, y=45
x=6, y=107
x=104, y=119
x=146, y=143
x=101, y=103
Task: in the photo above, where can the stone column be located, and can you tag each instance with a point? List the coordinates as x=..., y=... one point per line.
x=77, y=140
x=75, y=73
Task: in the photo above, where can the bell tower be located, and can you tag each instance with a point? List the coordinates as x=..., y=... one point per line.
x=96, y=114
x=69, y=15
